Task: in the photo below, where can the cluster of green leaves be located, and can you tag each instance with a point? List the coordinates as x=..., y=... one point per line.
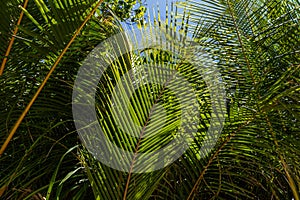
x=255, y=45
x=27, y=166
x=127, y=10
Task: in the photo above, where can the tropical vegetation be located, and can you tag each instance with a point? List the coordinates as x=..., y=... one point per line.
x=254, y=45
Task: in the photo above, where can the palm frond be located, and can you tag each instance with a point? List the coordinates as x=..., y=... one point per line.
x=254, y=48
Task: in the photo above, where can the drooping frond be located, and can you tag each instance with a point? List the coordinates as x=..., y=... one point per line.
x=248, y=160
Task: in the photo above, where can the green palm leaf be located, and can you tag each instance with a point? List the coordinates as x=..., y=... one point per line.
x=248, y=161
x=254, y=48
